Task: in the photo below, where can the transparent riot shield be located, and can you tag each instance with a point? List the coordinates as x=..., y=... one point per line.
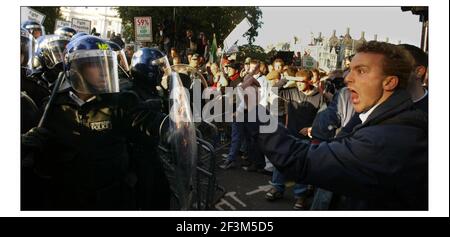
x=193, y=80
x=182, y=143
x=189, y=76
x=178, y=139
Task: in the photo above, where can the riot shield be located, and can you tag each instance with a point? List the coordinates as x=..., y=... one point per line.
x=189, y=76
x=193, y=80
x=181, y=138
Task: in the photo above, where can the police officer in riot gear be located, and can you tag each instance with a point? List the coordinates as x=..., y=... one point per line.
x=34, y=28
x=65, y=31
x=49, y=56
x=33, y=91
x=82, y=146
x=146, y=72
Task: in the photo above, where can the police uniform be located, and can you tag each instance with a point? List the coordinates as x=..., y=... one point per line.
x=83, y=146
x=86, y=158
x=153, y=187
x=36, y=89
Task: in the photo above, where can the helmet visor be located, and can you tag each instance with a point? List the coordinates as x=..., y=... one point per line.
x=122, y=58
x=53, y=50
x=36, y=30
x=94, y=71
x=26, y=50
x=65, y=32
x=163, y=64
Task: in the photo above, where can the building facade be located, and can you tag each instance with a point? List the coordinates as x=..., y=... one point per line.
x=330, y=53
x=105, y=20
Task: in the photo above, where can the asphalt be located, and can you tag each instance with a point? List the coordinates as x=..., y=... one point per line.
x=243, y=190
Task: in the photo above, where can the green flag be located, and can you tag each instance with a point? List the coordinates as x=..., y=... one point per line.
x=213, y=51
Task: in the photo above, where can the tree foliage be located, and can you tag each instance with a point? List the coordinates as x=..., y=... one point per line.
x=51, y=15
x=252, y=51
x=218, y=20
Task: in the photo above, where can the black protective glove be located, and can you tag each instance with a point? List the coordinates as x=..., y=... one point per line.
x=148, y=122
x=36, y=139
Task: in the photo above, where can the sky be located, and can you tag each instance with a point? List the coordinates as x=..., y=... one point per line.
x=280, y=24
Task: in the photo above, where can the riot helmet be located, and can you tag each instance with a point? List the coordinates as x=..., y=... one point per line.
x=34, y=28
x=65, y=31
x=91, y=66
x=148, y=65
x=49, y=51
x=121, y=57
x=77, y=35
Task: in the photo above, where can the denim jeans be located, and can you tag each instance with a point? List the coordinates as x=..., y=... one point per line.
x=244, y=145
x=278, y=183
x=237, y=135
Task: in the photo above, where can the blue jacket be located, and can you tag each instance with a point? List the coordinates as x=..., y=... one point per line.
x=381, y=164
x=334, y=117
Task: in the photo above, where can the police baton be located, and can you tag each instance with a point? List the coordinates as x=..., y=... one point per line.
x=124, y=71
x=52, y=98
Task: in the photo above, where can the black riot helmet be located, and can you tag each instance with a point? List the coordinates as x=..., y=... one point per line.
x=148, y=66
x=65, y=31
x=34, y=28
x=49, y=51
